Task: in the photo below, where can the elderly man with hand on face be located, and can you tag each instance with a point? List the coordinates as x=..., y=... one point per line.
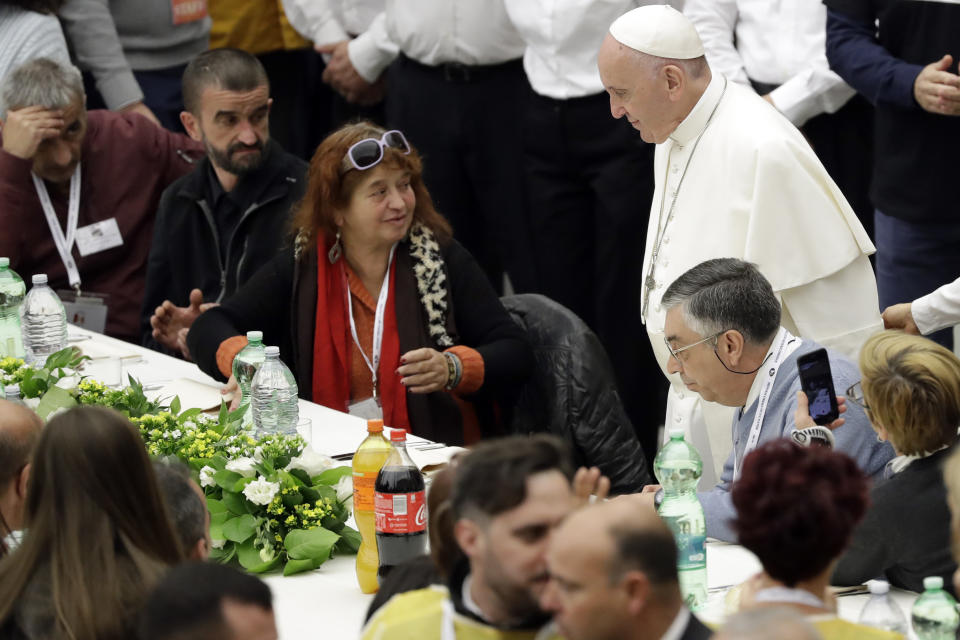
x=79, y=192
x=733, y=178
x=727, y=343
x=613, y=576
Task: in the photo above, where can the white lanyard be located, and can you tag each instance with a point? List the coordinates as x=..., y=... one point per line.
x=377, y=345
x=787, y=595
x=763, y=400
x=64, y=242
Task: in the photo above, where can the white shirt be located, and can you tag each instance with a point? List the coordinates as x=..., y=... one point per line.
x=330, y=21
x=562, y=40
x=754, y=190
x=433, y=32
x=938, y=310
x=781, y=42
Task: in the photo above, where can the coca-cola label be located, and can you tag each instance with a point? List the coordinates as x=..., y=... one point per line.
x=400, y=512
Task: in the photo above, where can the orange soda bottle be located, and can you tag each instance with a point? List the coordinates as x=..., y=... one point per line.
x=367, y=461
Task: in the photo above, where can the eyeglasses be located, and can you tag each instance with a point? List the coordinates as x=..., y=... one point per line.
x=855, y=394
x=676, y=352
x=368, y=153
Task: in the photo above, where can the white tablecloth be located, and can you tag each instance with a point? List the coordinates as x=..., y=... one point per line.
x=327, y=602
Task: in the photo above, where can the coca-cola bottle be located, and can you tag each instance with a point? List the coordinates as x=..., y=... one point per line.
x=400, y=508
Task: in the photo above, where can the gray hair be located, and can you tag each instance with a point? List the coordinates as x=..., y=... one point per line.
x=41, y=82
x=186, y=510
x=724, y=294
x=768, y=623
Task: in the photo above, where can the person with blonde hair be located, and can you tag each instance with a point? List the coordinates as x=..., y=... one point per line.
x=98, y=534
x=911, y=391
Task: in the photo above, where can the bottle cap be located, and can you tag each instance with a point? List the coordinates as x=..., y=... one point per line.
x=932, y=583
x=677, y=432
x=4, y=262
x=272, y=351
x=398, y=435
x=878, y=587
x=254, y=336
x=375, y=426
x=39, y=278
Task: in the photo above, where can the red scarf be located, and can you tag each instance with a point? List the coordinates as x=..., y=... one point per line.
x=332, y=339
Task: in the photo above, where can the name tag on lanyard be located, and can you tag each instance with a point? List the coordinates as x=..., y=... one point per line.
x=88, y=310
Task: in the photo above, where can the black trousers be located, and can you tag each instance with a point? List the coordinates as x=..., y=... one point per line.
x=589, y=181
x=465, y=122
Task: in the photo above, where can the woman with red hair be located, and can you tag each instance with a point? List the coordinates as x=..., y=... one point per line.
x=796, y=510
x=375, y=307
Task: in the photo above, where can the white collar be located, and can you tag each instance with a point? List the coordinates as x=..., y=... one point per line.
x=695, y=122
x=678, y=626
x=467, y=599
x=791, y=346
x=901, y=462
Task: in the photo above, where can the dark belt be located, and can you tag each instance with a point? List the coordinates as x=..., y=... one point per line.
x=455, y=72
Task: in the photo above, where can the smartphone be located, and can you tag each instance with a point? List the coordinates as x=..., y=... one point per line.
x=817, y=383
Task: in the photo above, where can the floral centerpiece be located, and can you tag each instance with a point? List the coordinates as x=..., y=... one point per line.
x=274, y=503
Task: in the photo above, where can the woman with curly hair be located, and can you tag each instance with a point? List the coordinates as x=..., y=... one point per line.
x=911, y=391
x=375, y=306
x=796, y=510
x=98, y=535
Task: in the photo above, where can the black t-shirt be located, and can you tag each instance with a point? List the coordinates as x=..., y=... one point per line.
x=916, y=153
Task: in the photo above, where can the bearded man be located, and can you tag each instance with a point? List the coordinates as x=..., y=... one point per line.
x=217, y=225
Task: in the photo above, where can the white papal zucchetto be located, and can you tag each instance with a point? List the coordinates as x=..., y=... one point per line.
x=658, y=30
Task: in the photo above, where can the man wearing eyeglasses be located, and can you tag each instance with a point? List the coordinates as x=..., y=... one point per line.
x=219, y=224
x=723, y=331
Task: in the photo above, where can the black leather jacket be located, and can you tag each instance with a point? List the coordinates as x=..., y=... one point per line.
x=572, y=393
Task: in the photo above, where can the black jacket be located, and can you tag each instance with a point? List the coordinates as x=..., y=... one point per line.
x=281, y=301
x=905, y=535
x=186, y=254
x=572, y=393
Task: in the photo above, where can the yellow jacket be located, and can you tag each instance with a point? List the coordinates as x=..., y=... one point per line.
x=255, y=27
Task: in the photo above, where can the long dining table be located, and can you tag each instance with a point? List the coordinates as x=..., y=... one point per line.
x=327, y=602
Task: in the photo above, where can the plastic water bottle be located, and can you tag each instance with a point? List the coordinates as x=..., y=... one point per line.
x=934, y=614
x=678, y=468
x=274, y=392
x=12, y=291
x=44, y=322
x=11, y=393
x=245, y=366
x=881, y=611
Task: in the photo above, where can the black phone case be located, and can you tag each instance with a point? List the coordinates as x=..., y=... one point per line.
x=812, y=388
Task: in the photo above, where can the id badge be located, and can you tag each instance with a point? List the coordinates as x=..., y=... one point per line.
x=98, y=237
x=88, y=310
x=367, y=409
x=185, y=11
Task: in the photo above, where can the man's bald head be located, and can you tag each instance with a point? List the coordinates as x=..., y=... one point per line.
x=19, y=431
x=613, y=573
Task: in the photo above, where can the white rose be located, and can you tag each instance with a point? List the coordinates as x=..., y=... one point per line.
x=216, y=543
x=312, y=462
x=261, y=491
x=267, y=554
x=258, y=454
x=243, y=466
x=206, y=476
x=68, y=382
x=345, y=492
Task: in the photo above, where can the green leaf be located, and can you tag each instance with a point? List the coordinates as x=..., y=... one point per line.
x=235, y=503
x=189, y=414
x=227, y=479
x=309, y=494
x=249, y=557
x=349, y=541
x=175, y=406
x=55, y=398
x=224, y=411
x=215, y=506
x=217, y=462
x=299, y=566
x=332, y=476
x=217, y=521
x=240, y=528
x=224, y=555
x=240, y=484
x=300, y=477
x=310, y=543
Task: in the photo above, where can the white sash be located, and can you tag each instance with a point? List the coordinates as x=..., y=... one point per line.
x=377, y=345
x=763, y=400
x=64, y=242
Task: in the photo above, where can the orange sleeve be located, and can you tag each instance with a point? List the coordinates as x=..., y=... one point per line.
x=227, y=351
x=472, y=362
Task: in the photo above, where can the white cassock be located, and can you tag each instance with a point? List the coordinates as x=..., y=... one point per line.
x=754, y=190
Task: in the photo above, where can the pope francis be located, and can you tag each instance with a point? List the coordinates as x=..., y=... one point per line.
x=734, y=178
